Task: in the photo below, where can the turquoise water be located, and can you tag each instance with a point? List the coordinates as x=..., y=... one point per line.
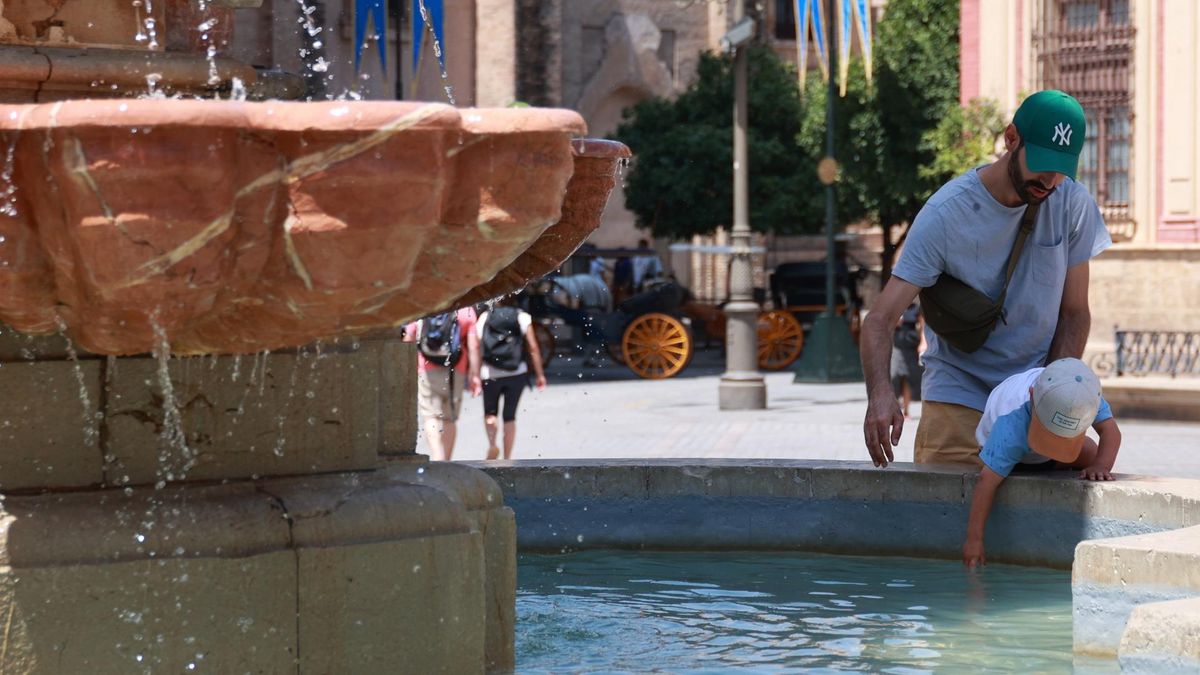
x=638, y=612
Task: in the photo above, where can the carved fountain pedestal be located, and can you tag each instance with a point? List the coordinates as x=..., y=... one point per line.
x=263, y=510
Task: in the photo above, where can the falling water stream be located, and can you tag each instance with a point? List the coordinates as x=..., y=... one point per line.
x=89, y=417
x=437, y=51
x=8, y=195
x=147, y=30
x=173, y=436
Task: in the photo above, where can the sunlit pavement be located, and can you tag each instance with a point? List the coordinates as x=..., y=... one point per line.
x=608, y=412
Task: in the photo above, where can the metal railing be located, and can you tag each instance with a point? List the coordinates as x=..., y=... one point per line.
x=1151, y=352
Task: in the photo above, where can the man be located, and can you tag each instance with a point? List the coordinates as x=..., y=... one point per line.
x=645, y=267
x=967, y=229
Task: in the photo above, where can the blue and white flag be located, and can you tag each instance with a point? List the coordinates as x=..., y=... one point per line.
x=802, y=9
x=817, y=26
x=845, y=16
x=375, y=10
x=862, y=12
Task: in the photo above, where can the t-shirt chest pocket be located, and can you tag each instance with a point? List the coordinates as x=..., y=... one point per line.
x=1049, y=261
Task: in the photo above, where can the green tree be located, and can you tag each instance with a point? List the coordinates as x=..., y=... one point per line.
x=965, y=138
x=897, y=140
x=916, y=49
x=681, y=182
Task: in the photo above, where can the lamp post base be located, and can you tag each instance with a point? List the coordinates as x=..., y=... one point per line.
x=830, y=354
x=742, y=391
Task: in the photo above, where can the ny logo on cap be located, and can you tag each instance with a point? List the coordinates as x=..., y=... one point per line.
x=1062, y=134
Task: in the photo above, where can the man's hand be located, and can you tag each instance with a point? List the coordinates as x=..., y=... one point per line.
x=972, y=553
x=884, y=421
x=882, y=428
x=1096, y=472
x=541, y=383
x=476, y=385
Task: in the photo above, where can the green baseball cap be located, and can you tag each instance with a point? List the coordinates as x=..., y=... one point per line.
x=1053, y=127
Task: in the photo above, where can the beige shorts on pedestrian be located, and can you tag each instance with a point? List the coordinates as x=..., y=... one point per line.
x=434, y=396
x=946, y=434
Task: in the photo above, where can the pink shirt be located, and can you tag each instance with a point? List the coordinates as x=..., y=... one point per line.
x=466, y=323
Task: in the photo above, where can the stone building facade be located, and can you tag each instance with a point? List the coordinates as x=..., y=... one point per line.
x=1135, y=66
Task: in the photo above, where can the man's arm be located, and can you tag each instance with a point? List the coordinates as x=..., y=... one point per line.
x=981, y=506
x=535, y=357
x=884, y=422
x=1106, y=454
x=474, y=361
x=1074, y=316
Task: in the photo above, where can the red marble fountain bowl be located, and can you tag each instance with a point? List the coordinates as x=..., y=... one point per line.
x=232, y=227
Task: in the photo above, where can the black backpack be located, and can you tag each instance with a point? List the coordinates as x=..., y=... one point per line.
x=502, y=346
x=441, y=340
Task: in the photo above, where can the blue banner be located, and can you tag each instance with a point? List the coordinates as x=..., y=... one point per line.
x=845, y=18
x=802, y=9
x=375, y=10
x=863, y=15
x=428, y=15
x=818, y=32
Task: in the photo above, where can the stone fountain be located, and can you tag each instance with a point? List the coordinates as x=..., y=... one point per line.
x=255, y=503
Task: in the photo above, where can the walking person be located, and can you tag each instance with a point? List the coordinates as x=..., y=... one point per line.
x=507, y=348
x=447, y=355
x=907, y=346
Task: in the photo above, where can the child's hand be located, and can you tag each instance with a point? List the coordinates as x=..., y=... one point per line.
x=973, y=554
x=1096, y=472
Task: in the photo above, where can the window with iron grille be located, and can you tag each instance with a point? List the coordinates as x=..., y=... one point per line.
x=1085, y=48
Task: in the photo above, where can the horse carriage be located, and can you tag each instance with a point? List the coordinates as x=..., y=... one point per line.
x=653, y=332
x=646, y=332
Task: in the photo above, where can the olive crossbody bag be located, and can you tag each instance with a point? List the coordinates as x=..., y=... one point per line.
x=963, y=316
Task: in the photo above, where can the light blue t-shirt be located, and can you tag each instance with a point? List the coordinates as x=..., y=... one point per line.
x=963, y=230
x=1007, y=444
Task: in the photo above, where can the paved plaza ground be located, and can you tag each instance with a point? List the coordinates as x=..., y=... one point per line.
x=607, y=412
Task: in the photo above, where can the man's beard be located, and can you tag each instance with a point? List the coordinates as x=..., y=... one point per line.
x=1022, y=186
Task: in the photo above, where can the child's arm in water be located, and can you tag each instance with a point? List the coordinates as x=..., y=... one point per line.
x=981, y=506
x=1106, y=452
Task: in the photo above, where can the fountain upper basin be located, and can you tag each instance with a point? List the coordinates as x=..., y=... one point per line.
x=234, y=227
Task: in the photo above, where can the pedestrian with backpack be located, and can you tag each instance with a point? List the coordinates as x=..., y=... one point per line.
x=507, y=348
x=447, y=356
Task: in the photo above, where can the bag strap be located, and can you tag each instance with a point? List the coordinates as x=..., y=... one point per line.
x=1028, y=220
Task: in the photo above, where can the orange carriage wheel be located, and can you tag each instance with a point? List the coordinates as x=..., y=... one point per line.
x=656, y=346
x=780, y=339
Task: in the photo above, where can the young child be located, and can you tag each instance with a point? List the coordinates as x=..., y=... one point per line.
x=1040, y=417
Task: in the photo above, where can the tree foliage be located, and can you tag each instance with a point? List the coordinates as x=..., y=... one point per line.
x=964, y=138
x=681, y=182
x=897, y=139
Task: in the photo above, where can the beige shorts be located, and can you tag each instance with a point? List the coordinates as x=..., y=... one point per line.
x=946, y=434
x=435, y=398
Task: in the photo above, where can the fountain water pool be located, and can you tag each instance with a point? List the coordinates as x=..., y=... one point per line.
x=1132, y=545
x=606, y=611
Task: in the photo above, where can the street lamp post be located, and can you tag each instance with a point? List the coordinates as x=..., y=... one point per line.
x=742, y=386
x=830, y=354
